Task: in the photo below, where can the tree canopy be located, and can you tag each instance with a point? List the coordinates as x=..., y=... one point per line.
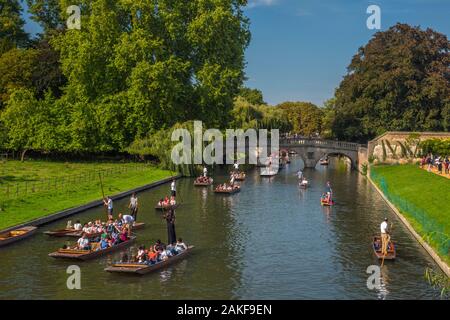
x=304, y=117
x=12, y=33
x=399, y=81
x=134, y=68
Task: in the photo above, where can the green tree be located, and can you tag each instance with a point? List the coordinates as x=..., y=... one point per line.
x=253, y=96
x=305, y=117
x=47, y=13
x=398, y=81
x=16, y=69
x=12, y=33
x=31, y=124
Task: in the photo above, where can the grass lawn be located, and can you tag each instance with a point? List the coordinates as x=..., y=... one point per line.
x=77, y=184
x=423, y=198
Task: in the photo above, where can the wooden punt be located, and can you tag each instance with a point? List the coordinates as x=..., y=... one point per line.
x=203, y=184
x=326, y=203
x=89, y=254
x=16, y=235
x=170, y=207
x=142, y=268
x=240, y=177
x=59, y=233
x=376, y=245
x=265, y=173
x=324, y=162
x=233, y=191
x=303, y=185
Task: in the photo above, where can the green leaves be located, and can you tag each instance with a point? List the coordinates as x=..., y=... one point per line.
x=398, y=81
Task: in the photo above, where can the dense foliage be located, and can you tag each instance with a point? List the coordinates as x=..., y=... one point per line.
x=134, y=68
x=436, y=146
x=400, y=81
x=304, y=117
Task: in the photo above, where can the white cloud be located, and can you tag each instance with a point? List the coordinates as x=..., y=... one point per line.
x=261, y=3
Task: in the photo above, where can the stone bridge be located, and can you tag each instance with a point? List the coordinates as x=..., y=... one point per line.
x=312, y=150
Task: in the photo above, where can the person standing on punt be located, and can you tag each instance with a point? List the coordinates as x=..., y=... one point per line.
x=109, y=205
x=173, y=189
x=329, y=191
x=133, y=206
x=385, y=237
x=171, y=234
x=205, y=171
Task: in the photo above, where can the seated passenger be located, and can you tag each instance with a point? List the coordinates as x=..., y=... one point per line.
x=141, y=256
x=104, y=244
x=83, y=243
x=77, y=226
x=180, y=246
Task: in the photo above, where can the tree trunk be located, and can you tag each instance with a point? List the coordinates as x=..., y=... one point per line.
x=22, y=156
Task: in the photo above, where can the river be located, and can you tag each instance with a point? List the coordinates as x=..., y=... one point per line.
x=270, y=241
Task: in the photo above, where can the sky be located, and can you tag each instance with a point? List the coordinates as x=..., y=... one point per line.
x=300, y=49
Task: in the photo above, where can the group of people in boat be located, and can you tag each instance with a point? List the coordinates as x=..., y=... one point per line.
x=159, y=252
x=227, y=187
x=327, y=196
x=166, y=202
x=110, y=233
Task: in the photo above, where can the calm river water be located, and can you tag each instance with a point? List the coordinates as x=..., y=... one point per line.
x=270, y=241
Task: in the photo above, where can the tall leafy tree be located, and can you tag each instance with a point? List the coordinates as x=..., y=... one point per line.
x=305, y=117
x=254, y=96
x=12, y=33
x=399, y=81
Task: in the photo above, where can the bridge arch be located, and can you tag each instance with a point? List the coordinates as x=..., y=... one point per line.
x=312, y=150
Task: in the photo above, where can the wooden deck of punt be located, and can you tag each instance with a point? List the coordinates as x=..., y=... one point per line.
x=236, y=190
x=77, y=234
x=326, y=203
x=376, y=245
x=89, y=254
x=203, y=184
x=140, y=268
x=240, y=177
x=173, y=207
x=268, y=174
x=16, y=235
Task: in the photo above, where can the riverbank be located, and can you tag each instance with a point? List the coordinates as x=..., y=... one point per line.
x=422, y=199
x=36, y=189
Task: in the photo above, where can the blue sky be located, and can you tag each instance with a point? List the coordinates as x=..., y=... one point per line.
x=300, y=49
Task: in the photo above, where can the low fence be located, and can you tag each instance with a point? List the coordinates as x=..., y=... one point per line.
x=16, y=190
x=321, y=143
x=433, y=232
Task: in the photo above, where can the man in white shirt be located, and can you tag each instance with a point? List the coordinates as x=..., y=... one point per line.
x=205, y=171
x=236, y=166
x=77, y=226
x=83, y=243
x=173, y=188
x=385, y=238
x=133, y=206
x=126, y=219
x=109, y=205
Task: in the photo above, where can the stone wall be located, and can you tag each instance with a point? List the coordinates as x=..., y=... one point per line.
x=395, y=140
